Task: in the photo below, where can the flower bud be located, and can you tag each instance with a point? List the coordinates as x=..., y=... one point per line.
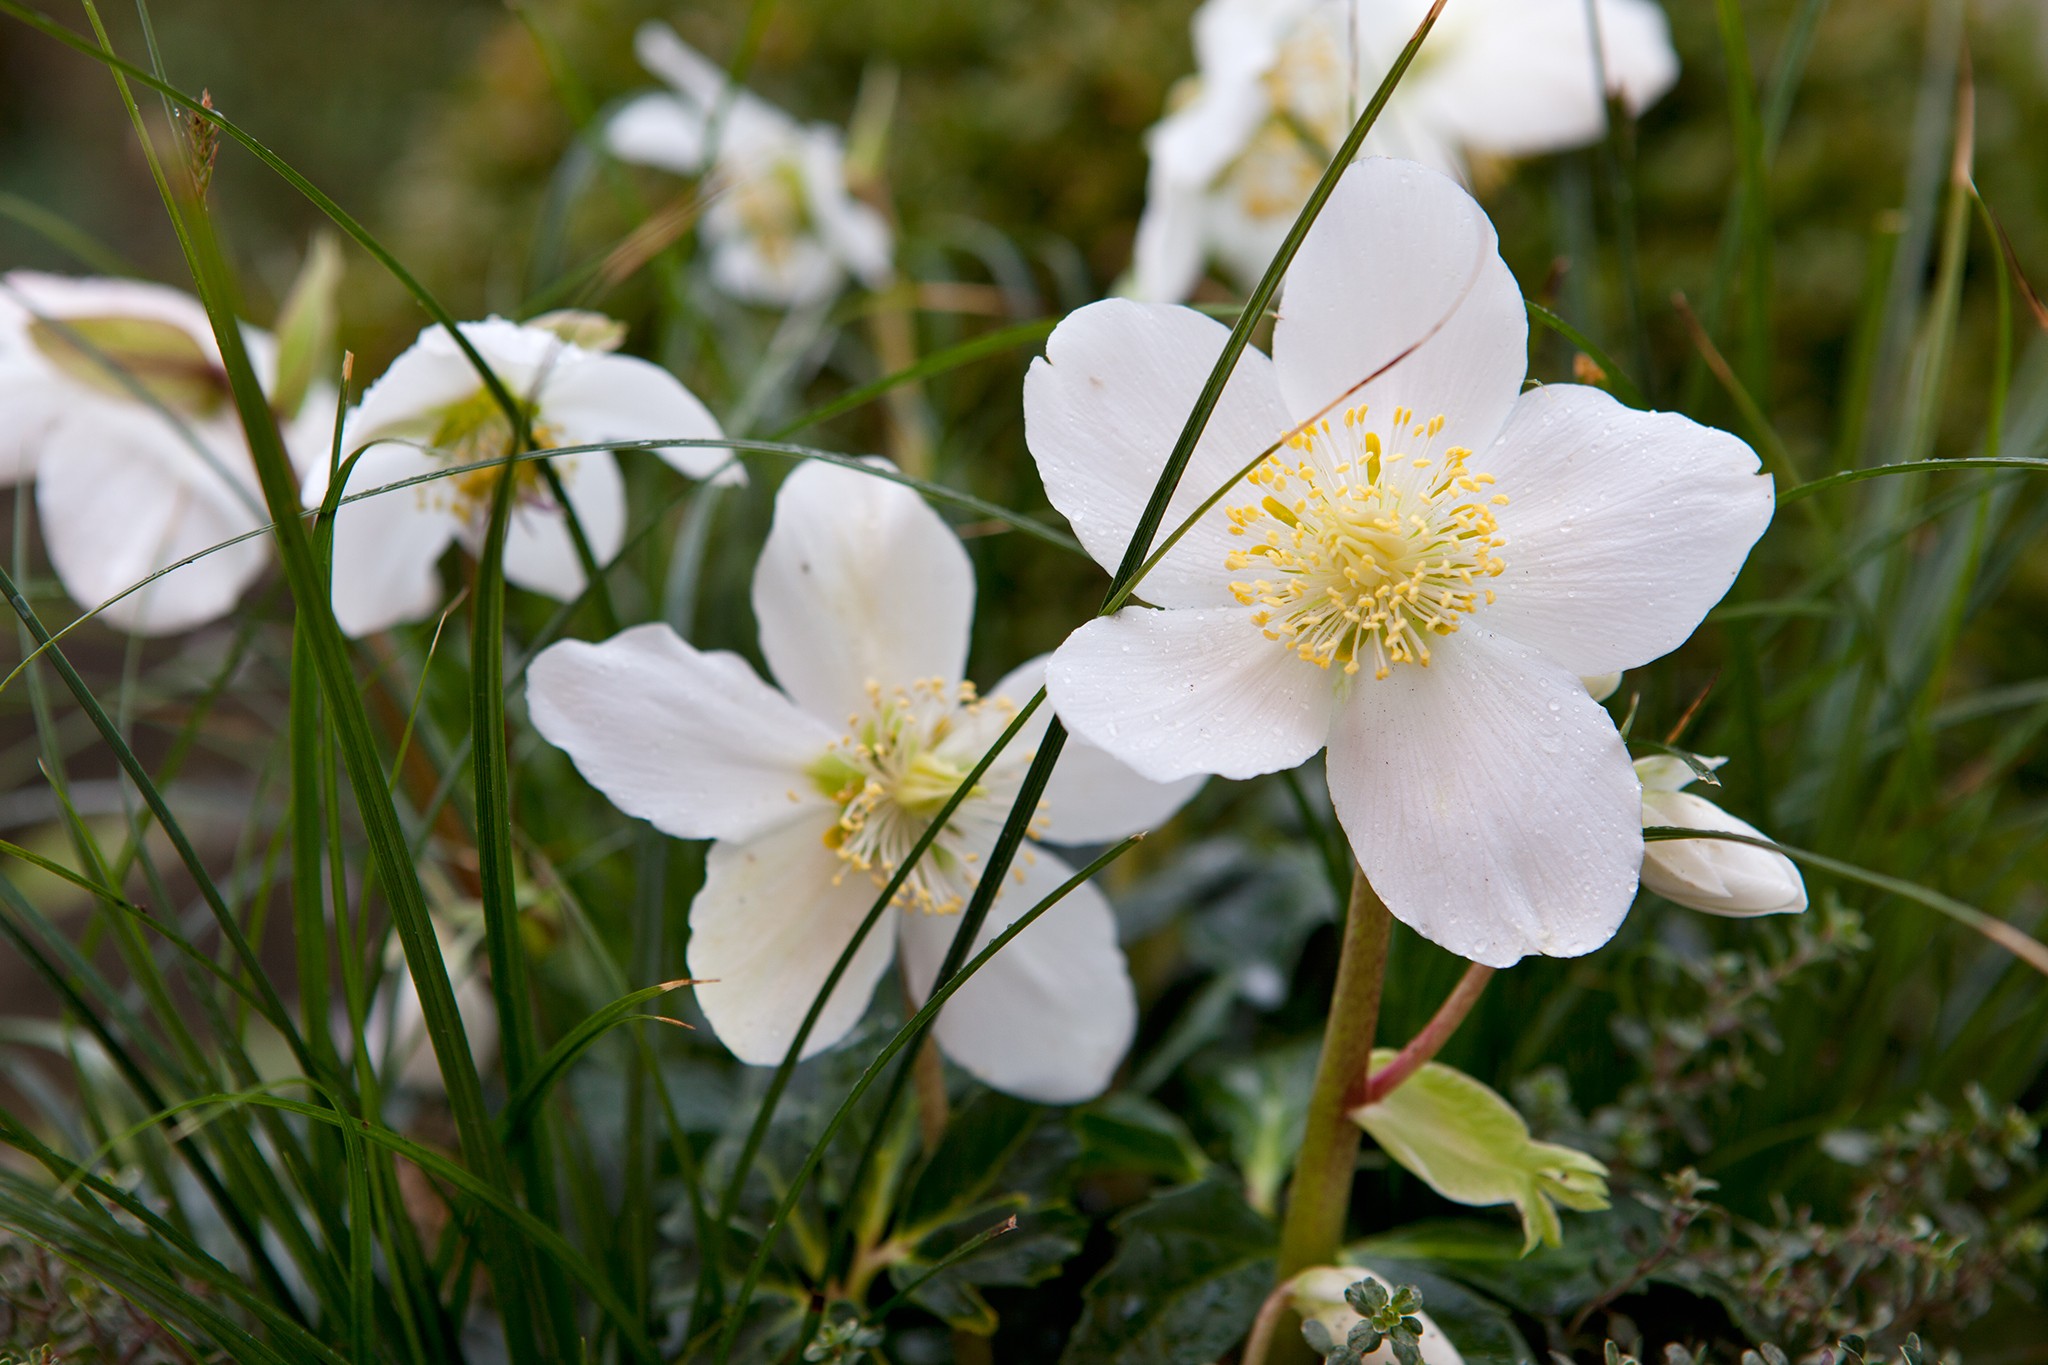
x=1601, y=686
x=1719, y=876
x=1318, y=1296
x=1469, y=1145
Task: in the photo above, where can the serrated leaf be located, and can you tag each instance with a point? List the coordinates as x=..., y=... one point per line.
x=958, y=1176
x=1191, y=1268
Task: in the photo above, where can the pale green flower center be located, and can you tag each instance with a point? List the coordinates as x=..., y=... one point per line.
x=1371, y=551
x=475, y=429
x=771, y=207
x=898, y=764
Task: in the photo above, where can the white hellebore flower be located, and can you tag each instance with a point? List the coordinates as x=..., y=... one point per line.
x=815, y=793
x=115, y=403
x=1280, y=82
x=1416, y=578
x=781, y=226
x=1718, y=876
x=431, y=411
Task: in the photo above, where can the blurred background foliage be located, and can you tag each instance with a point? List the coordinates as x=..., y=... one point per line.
x=1880, y=678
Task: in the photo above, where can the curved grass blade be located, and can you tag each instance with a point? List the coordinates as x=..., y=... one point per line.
x=2029, y=950
x=525, y=1103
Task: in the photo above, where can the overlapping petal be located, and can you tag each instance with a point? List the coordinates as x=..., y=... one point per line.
x=859, y=581
x=623, y=398
x=1402, y=269
x=1187, y=691
x=121, y=494
x=1623, y=527
x=775, y=913
x=695, y=743
x=1092, y=797
x=1051, y=1015
x=1489, y=801
x=387, y=544
x=540, y=549
x=1102, y=411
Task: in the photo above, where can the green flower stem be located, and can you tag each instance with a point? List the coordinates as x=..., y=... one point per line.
x=1321, y=1192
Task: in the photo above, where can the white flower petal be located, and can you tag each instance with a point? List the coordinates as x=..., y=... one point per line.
x=1402, y=257
x=1051, y=1015
x=1092, y=798
x=540, y=552
x=1490, y=802
x=386, y=547
x=800, y=274
x=623, y=398
x=1180, y=692
x=1623, y=528
x=1166, y=262
x=1718, y=876
x=120, y=494
x=695, y=743
x=858, y=235
x=859, y=581
x=658, y=130
x=1520, y=79
x=774, y=916
x=1101, y=413
x=1191, y=146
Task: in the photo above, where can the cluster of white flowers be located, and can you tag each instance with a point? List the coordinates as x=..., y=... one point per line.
x=1281, y=81
x=1408, y=559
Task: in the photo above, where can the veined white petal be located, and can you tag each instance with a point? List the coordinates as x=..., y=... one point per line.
x=775, y=913
x=623, y=398
x=1402, y=257
x=658, y=130
x=1623, y=528
x=540, y=552
x=120, y=494
x=1490, y=801
x=695, y=743
x=1718, y=876
x=385, y=547
x=1092, y=797
x=1521, y=79
x=1102, y=411
x=1051, y=1015
x=859, y=581
x=1186, y=691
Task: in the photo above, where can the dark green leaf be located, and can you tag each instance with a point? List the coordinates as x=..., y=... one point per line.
x=1191, y=1269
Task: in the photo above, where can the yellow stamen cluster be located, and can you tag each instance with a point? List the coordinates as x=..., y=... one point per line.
x=1371, y=549
x=475, y=429
x=891, y=773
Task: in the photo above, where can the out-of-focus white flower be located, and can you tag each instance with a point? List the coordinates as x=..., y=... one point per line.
x=431, y=410
x=1718, y=876
x=115, y=403
x=1279, y=83
x=1417, y=579
x=1469, y=1145
x=816, y=792
x=781, y=226
x=395, y=1033
x=1319, y=1295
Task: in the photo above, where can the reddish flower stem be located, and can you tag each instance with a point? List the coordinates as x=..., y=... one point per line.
x=1426, y=1044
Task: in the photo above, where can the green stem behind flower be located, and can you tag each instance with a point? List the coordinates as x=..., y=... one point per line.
x=1321, y=1192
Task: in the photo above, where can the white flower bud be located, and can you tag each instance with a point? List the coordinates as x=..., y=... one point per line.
x=1318, y=1294
x=1602, y=685
x=1719, y=876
